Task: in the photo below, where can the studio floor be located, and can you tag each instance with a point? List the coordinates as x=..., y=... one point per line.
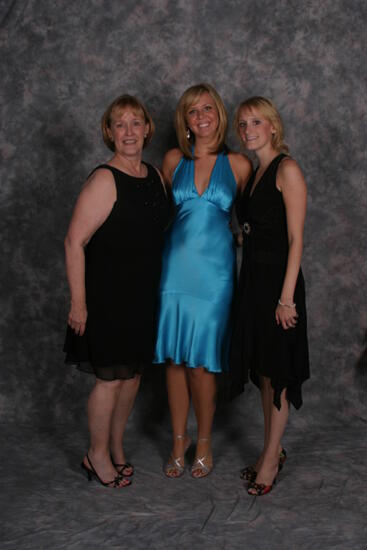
x=319, y=502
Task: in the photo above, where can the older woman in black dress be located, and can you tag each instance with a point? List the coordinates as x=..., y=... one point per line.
x=270, y=338
x=113, y=257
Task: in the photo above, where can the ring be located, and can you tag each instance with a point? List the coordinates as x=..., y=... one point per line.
x=247, y=228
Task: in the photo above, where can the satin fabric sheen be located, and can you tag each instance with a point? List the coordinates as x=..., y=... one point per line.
x=198, y=271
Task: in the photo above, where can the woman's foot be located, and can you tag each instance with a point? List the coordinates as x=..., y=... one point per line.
x=203, y=463
x=265, y=479
x=102, y=464
x=249, y=473
x=105, y=473
x=119, y=461
x=124, y=469
x=175, y=466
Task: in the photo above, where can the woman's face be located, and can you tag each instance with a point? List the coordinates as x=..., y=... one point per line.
x=127, y=131
x=202, y=117
x=255, y=130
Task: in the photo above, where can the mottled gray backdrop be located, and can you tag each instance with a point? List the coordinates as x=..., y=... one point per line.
x=63, y=62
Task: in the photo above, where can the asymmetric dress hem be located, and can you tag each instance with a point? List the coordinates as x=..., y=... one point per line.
x=259, y=346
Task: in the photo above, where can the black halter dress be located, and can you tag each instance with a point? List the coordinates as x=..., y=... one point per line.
x=259, y=346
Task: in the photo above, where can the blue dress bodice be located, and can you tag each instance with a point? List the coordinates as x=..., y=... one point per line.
x=220, y=191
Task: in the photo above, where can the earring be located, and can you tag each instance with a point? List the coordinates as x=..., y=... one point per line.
x=188, y=135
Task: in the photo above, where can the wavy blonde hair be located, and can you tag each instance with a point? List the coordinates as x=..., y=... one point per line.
x=270, y=112
x=189, y=98
x=119, y=105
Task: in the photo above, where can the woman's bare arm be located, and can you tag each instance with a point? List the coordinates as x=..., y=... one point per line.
x=169, y=164
x=291, y=183
x=93, y=206
x=242, y=170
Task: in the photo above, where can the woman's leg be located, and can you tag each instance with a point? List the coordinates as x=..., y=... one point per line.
x=267, y=403
x=124, y=404
x=179, y=403
x=278, y=422
x=101, y=404
x=203, y=390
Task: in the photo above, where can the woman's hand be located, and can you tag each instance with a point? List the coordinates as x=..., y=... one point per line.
x=77, y=318
x=286, y=316
x=291, y=183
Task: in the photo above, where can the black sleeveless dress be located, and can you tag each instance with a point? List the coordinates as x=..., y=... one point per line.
x=122, y=272
x=259, y=345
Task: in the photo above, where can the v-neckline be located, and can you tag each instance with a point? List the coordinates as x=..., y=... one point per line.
x=210, y=178
x=253, y=189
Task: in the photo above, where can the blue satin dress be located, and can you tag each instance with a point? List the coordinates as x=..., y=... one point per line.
x=198, y=271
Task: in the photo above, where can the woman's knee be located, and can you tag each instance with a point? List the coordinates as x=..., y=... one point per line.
x=111, y=385
x=135, y=381
x=197, y=373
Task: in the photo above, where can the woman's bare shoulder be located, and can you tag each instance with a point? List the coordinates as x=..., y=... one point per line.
x=170, y=162
x=289, y=168
x=100, y=178
x=173, y=156
x=289, y=174
x=241, y=167
x=240, y=160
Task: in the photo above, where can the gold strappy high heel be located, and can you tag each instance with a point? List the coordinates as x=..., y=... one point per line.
x=201, y=464
x=176, y=464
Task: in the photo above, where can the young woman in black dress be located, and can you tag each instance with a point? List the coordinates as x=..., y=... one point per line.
x=113, y=259
x=270, y=336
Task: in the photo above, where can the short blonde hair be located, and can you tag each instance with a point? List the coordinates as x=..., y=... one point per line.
x=116, y=107
x=270, y=112
x=188, y=98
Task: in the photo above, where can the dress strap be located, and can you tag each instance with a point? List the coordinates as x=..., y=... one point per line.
x=111, y=168
x=277, y=160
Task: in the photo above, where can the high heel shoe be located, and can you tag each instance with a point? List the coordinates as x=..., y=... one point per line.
x=282, y=459
x=122, y=467
x=117, y=482
x=249, y=473
x=175, y=464
x=200, y=465
x=260, y=489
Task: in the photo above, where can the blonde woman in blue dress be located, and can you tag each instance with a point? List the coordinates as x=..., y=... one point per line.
x=198, y=271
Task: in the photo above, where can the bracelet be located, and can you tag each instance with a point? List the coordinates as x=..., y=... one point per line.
x=286, y=305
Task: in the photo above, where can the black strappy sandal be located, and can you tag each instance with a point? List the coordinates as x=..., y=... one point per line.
x=122, y=467
x=117, y=483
